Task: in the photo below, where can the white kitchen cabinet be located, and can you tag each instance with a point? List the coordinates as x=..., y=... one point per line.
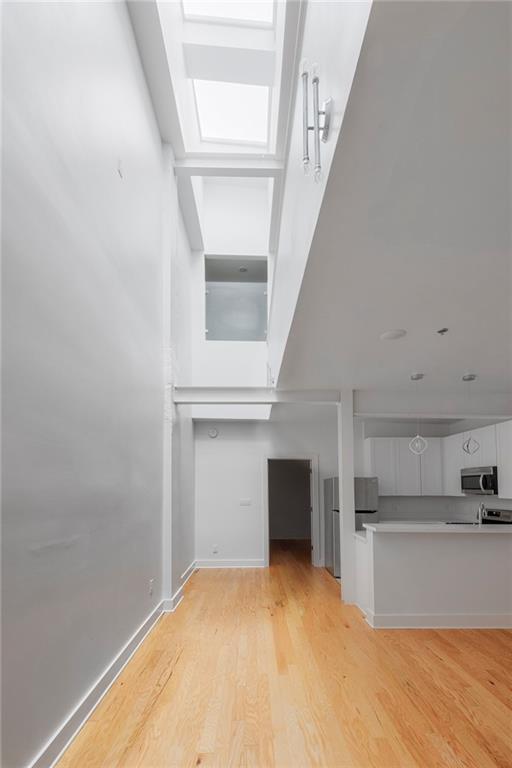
x=455, y=458
x=380, y=461
x=504, y=438
x=431, y=463
x=453, y=461
x=408, y=473
x=398, y=469
x=486, y=455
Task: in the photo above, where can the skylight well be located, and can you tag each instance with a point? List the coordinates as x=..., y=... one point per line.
x=234, y=12
x=232, y=112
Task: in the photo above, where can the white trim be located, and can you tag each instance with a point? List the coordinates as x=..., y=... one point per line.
x=436, y=416
x=191, y=395
x=232, y=563
x=171, y=603
x=66, y=732
x=316, y=527
x=187, y=573
x=439, y=621
x=199, y=165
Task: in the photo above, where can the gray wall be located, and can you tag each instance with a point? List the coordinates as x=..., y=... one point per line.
x=289, y=498
x=183, y=513
x=182, y=441
x=82, y=358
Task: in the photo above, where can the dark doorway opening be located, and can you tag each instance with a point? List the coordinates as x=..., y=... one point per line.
x=289, y=506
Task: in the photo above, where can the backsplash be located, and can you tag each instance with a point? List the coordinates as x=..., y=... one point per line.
x=436, y=507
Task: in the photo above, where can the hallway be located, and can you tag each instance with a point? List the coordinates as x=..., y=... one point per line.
x=265, y=667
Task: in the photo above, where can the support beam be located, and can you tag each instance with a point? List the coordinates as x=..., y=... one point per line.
x=275, y=216
x=190, y=213
x=202, y=166
x=147, y=29
x=347, y=501
x=250, y=396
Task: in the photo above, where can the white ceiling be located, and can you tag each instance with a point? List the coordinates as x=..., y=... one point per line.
x=221, y=77
x=415, y=226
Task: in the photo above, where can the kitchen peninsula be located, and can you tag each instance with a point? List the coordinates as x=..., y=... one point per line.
x=425, y=574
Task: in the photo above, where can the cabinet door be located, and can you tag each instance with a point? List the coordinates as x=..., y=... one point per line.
x=432, y=468
x=381, y=463
x=504, y=434
x=486, y=455
x=408, y=477
x=453, y=461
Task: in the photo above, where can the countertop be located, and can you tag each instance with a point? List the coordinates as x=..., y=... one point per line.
x=436, y=527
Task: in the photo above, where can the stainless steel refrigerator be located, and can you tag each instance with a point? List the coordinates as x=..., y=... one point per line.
x=332, y=526
x=366, y=497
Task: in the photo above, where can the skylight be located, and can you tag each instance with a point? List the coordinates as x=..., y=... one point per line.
x=232, y=112
x=236, y=11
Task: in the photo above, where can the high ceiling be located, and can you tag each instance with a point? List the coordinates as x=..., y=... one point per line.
x=221, y=77
x=415, y=226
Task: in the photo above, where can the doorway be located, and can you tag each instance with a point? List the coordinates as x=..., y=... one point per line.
x=290, y=508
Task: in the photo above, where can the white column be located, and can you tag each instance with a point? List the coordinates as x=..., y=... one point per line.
x=347, y=503
x=169, y=227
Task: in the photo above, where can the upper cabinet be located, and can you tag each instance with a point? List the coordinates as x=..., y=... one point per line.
x=437, y=471
x=504, y=435
x=431, y=464
x=455, y=457
x=408, y=472
x=453, y=461
x=401, y=472
x=380, y=461
x=486, y=455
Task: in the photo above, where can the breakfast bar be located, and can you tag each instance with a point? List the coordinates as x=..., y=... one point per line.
x=433, y=574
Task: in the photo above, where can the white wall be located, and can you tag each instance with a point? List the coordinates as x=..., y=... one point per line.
x=82, y=358
x=179, y=454
x=236, y=215
x=229, y=471
x=333, y=35
x=221, y=363
x=183, y=518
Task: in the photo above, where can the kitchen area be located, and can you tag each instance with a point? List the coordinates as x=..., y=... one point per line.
x=433, y=518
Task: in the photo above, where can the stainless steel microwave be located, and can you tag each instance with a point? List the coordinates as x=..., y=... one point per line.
x=479, y=481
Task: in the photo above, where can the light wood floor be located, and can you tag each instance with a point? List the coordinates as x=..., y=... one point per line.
x=267, y=668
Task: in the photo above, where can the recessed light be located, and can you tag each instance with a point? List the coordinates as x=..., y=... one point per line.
x=394, y=333
x=469, y=377
x=442, y=331
x=417, y=376
x=242, y=269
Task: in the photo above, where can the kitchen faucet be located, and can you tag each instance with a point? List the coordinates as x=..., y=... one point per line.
x=480, y=514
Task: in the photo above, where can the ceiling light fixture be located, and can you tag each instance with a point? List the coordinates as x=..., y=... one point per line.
x=393, y=334
x=242, y=269
x=418, y=444
x=442, y=331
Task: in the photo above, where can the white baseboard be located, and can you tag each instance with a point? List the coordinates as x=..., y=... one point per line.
x=187, y=573
x=439, y=621
x=214, y=563
x=170, y=605
x=66, y=732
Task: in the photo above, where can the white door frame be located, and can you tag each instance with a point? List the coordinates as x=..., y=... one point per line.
x=316, y=552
